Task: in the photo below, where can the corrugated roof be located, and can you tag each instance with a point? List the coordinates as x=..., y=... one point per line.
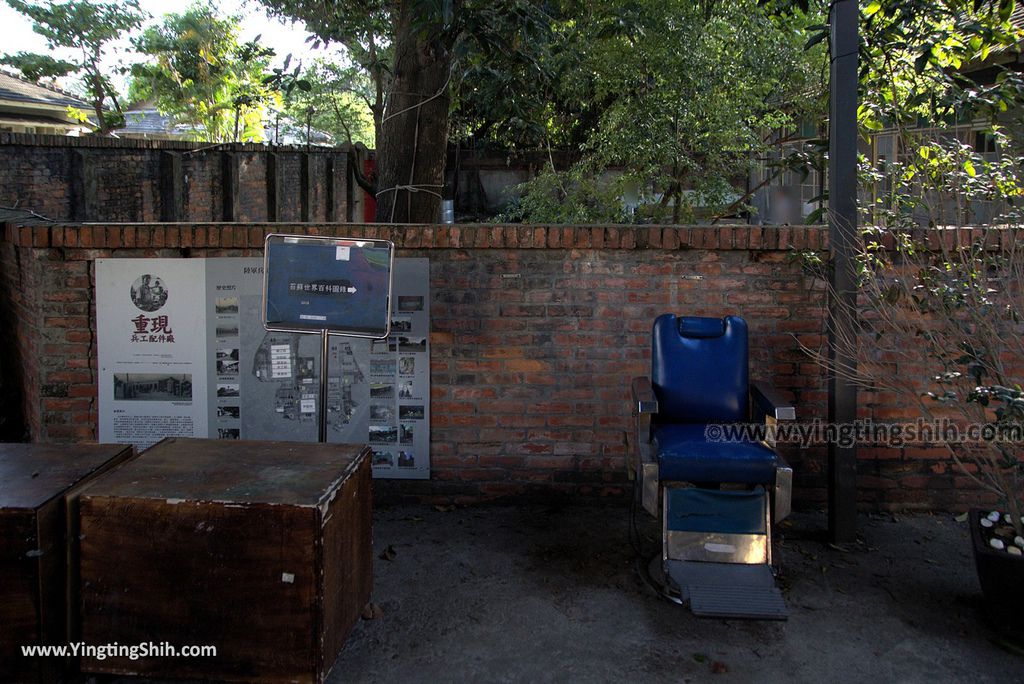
x=20, y=90
x=148, y=121
x=145, y=120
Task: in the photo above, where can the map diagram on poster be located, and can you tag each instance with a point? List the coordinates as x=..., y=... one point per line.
x=248, y=383
x=280, y=380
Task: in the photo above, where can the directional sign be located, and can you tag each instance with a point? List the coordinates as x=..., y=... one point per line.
x=342, y=285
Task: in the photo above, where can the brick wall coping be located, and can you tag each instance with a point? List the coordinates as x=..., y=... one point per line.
x=414, y=236
x=88, y=141
x=469, y=236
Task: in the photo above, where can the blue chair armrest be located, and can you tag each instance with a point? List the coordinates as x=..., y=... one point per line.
x=769, y=403
x=644, y=401
x=641, y=462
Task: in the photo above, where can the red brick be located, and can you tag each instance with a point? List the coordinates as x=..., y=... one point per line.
x=525, y=370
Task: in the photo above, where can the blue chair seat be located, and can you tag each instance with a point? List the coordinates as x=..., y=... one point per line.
x=684, y=454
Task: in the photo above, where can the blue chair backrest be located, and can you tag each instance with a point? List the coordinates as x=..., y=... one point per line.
x=699, y=369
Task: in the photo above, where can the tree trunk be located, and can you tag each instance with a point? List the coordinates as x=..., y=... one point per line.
x=414, y=131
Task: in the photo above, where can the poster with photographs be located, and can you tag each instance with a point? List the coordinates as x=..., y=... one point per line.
x=152, y=380
x=400, y=379
x=236, y=380
x=227, y=282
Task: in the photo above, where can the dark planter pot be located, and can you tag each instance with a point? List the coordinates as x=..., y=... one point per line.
x=1001, y=576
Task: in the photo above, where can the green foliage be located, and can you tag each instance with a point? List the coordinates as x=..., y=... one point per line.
x=36, y=67
x=917, y=57
x=334, y=99
x=943, y=181
x=87, y=27
x=931, y=72
x=680, y=94
x=203, y=77
x=366, y=31
x=511, y=60
x=576, y=196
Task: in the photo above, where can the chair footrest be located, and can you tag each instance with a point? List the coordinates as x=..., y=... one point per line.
x=728, y=590
x=738, y=602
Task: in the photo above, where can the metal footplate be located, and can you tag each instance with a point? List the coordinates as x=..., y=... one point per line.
x=729, y=590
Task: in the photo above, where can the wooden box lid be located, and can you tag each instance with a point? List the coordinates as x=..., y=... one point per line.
x=32, y=474
x=234, y=472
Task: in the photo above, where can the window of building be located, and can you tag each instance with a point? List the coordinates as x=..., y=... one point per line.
x=984, y=142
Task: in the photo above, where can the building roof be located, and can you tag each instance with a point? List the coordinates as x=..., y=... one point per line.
x=145, y=120
x=20, y=90
x=35, y=120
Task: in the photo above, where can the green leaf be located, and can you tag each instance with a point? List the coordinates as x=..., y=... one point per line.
x=922, y=60
x=815, y=39
x=1005, y=9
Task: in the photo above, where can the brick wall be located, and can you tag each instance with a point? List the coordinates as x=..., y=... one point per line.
x=110, y=180
x=536, y=333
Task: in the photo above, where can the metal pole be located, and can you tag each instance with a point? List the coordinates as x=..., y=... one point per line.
x=842, y=198
x=325, y=346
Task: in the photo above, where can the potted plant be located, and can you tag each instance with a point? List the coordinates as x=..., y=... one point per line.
x=940, y=305
x=940, y=312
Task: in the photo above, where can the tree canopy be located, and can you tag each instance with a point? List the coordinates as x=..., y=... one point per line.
x=413, y=54
x=203, y=76
x=933, y=76
x=337, y=102
x=88, y=27
x=679, y=99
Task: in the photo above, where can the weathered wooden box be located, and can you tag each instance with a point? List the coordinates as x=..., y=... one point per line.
x=259, y=549
x=39, y=486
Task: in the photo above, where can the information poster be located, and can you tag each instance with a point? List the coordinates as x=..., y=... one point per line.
x=152, y=349
x=248, y=383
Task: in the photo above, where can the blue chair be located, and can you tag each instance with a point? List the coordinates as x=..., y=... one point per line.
x=717, y=484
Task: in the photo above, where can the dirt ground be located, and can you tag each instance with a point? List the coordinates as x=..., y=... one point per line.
x=551, y=594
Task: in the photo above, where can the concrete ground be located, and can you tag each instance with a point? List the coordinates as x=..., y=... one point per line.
x=550, y=594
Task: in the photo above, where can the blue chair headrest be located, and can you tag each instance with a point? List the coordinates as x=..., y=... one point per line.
x=700, y=328
x=699, y=369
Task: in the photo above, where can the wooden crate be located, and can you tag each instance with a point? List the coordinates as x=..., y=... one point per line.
x=39, y=489
x=261, y=549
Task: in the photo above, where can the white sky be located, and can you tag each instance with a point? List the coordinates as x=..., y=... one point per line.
x=16, y=33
